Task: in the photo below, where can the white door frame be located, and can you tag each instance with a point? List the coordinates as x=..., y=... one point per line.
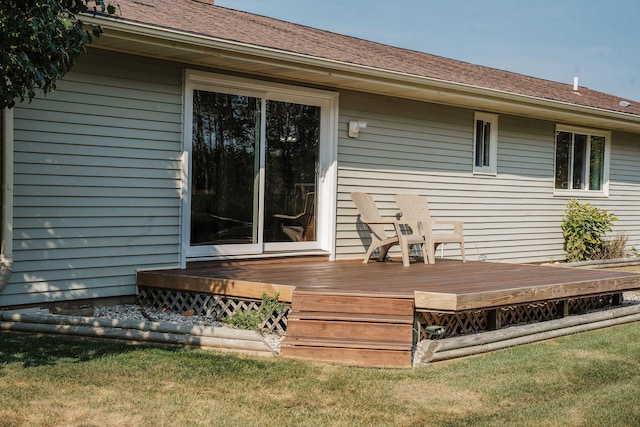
x=327, y=174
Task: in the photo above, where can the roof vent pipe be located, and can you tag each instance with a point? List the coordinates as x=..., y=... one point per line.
x=575, y=84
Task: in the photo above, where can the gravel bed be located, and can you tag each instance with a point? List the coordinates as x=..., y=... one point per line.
x=151, y=314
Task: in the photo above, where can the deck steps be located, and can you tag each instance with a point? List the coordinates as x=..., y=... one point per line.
x=357, y=330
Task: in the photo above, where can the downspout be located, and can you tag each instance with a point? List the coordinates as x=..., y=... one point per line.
x=6, y=233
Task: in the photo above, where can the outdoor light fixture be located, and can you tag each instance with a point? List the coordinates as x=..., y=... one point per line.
x=354, y=128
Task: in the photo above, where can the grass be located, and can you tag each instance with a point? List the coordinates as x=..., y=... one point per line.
x=590, y=379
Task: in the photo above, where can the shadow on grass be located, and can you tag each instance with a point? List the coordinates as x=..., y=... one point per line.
x=32, y=351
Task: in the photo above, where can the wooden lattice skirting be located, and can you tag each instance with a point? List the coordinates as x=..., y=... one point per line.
x=467, y=322
x=448, y=324
x=209, y=305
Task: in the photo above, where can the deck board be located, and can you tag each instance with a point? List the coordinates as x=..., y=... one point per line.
x=446, y=285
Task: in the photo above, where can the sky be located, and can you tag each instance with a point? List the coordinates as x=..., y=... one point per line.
x=597, y=41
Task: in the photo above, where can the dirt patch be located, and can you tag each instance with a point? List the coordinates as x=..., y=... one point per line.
x=452, y=400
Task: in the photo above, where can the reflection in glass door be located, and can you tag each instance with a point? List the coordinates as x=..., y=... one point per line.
x=225, y=165
x=291, y=159
x=250, y=188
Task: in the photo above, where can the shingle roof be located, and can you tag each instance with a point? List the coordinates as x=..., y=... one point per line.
x=197, y=17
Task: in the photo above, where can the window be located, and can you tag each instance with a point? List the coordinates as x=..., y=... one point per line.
x=582, y=157
x=485, y=143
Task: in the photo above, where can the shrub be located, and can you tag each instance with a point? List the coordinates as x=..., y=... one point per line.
x=254, y=319
x=583, y=229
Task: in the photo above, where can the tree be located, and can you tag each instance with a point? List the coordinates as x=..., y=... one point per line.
x=40, y=41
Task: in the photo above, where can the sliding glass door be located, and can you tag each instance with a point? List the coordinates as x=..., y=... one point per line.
x=255, y=170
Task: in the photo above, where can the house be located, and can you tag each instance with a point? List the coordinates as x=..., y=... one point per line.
x=193, y=132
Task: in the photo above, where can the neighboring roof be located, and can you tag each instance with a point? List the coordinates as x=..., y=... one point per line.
x=200, y=18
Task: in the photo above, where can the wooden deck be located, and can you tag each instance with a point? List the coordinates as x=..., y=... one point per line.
x=447, y=286
x=374, y=314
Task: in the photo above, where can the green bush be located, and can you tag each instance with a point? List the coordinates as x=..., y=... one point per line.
x=254, y=319
x=583, y=228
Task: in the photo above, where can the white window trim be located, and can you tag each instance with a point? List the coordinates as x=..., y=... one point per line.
x=326, y=203
x=492, y=119
x=607, y=160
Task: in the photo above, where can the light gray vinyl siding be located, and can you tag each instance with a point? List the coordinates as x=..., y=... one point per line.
x=97, y=181
x=624, y=187
x=427, y=149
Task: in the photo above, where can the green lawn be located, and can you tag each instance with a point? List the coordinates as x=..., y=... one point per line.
x=591, y=379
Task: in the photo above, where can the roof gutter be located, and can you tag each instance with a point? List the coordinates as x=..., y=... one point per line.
x=452, y=93
x=6, y=233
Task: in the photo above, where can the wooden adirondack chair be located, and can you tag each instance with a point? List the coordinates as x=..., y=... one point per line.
x=370, y=215
x=416, y=208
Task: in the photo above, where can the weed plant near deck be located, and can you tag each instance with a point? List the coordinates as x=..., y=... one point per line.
x=591, y=379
